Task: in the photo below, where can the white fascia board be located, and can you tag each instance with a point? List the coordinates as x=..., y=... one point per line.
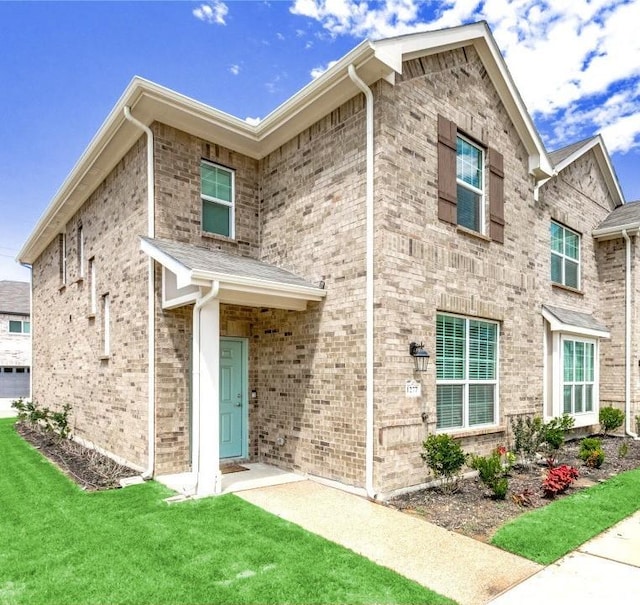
x=616, y=232
x=557, y=326
x=261, y=286
x=59, y=210
x=604, y=162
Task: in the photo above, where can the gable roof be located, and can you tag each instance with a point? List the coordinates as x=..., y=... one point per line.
x=15, y=297
x=566, y=156
x=623, y=218
x=382, y=59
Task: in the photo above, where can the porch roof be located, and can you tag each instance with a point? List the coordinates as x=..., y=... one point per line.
x=242, y=280
x=566, y=320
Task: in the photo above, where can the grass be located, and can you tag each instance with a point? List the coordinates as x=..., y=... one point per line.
x=59, y=544
x=546, y=534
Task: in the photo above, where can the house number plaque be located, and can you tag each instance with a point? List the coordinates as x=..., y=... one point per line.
x=412, y=388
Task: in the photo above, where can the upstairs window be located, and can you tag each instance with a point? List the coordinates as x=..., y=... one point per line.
x=470, y=185
x=217, y=193
x=466, y=372
x=19, y=327
x=565, y=256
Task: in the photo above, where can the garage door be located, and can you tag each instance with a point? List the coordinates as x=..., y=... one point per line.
x=14, y=382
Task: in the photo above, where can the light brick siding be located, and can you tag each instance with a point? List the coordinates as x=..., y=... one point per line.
x=302, y=208
x=108, y=397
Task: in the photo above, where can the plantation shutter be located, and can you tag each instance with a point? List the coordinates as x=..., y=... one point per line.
x=447, y=186
x=496, y=196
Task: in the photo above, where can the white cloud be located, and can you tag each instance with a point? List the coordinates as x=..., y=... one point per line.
x=279, y=36
x=234, y=69
x=253, y=121
x=318, y=71
x=212, y=12
x=569, y=58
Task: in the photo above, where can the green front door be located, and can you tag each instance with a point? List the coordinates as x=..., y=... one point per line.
x=233, y=399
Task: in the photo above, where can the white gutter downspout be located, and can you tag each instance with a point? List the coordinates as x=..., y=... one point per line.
x=627, y=336
x=151, y=308
x=369, y=284
x=195, y=381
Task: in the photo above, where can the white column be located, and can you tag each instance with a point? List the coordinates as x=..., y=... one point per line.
x=209, y=476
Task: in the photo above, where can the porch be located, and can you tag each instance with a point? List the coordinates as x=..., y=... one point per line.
x=236, y=477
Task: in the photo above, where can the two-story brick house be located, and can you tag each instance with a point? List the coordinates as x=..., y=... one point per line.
x=205, y=289
x=15, y=343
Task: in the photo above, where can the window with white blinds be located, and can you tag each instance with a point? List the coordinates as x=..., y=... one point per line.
x=467, y=372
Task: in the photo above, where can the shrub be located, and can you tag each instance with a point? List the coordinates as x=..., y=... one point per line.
x=492, y=471
x=554, y=431
x=445, y=458
x=558, y=480
x=528, y=436
x=610, y=419
x=623, y=450
x=591, y=452
x=42, y=418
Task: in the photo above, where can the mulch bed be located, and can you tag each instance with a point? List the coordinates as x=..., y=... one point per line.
x=88, y=468
x=473, y=512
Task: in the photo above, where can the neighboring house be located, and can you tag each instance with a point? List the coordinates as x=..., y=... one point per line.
x=15, y=343
x=207, y=290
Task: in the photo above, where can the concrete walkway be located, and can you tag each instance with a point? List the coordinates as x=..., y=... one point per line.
x=604, y=570
x=468, y=571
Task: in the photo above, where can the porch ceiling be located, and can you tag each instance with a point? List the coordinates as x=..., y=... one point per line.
x=242, y=280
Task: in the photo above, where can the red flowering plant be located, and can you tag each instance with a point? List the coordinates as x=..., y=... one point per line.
x=558, y=480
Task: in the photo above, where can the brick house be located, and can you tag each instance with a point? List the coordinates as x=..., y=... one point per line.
x=205, y=289
x=15, y=343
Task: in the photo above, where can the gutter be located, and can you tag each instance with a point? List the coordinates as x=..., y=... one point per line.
x=627, y=337
x=151, y=309
x=369, y=284
x=195, y=381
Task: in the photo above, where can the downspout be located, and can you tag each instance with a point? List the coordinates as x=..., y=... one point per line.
x=627, y=336
x=369, y=284
x=195, y=380
x=151, y=308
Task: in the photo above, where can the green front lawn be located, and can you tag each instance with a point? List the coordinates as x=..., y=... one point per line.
x=546, y=534
x=61, y=545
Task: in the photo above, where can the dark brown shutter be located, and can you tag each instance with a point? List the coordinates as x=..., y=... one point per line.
x=447, y=188
x=496, y=196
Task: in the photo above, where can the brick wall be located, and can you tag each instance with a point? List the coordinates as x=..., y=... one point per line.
x=108, y=396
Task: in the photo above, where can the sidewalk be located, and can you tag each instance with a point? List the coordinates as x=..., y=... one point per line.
x=606, y=568
x=466, y=570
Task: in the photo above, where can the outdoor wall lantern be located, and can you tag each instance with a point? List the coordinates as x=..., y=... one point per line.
x=420, y=356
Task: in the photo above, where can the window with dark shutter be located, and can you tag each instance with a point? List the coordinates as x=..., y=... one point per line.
x=447, y=187
x=496, y=196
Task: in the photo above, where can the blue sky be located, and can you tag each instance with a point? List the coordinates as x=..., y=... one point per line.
x=63, y=65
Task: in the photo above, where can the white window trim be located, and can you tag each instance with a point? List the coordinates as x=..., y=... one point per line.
x=92, y=286
x=557, y=371
x=466, y=382
x=480, y=192
x=215, y=200
x=80, y=251
x=106, y=326
x=63, y=268
x=564, y=258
